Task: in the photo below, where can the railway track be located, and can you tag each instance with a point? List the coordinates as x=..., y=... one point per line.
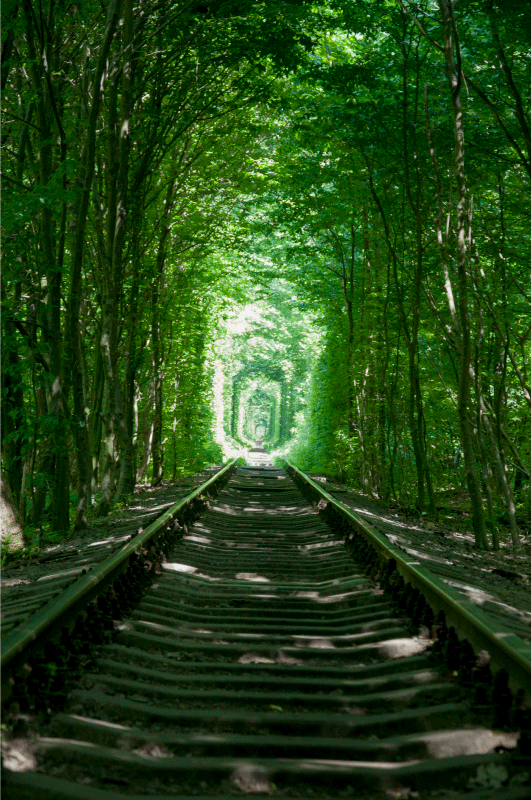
x=273, y=649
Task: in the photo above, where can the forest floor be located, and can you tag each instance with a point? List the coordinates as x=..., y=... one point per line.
x=452, y=523
x=146, y=504
x=499, y=581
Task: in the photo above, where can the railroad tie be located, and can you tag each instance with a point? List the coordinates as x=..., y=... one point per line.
x=264, y=660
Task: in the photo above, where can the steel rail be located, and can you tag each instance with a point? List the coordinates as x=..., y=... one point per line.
x=87, y=586
x=507, y=650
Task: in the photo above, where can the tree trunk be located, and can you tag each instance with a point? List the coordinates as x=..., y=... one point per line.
x=519, y=109
x=133, y=353
x=40, y=463
x=117, y=240
x=11, y=530
x=501, y=474
x=146, y=434
x=74, y=347
x=96, y=420
x=12, y=408
x=411, y=334
x=158, y=381
x=413, y=190
x=453, y=73
x=40, y=65
x=156, y=441
x=108, y=442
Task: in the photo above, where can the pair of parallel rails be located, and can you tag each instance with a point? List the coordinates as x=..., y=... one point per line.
x=261, y=655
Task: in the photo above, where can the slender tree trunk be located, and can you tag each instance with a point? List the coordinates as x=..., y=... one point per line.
x=12, y=409
x=411, y=335
x=501, y=474
x=129, y=412
x=118, y=177
x=158, y=380
x=52, y=296
x=41, y=462
x=486, y=482
x=108, y=448
x=518, y=103
x=96, y=420
x=117, y=241
x=421, y=425
x=156, y=442
x=348, y=294
x=146, y=433
x=453, y=73
x=175, y=420
x=133, y=357
x=414, y=196
x=74, y=349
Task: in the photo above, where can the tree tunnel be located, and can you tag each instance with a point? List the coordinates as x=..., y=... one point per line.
x=261, y=404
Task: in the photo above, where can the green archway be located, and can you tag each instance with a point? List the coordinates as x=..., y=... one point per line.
x=261, y=400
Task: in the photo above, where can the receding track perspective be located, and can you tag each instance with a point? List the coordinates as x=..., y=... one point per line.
x=268, y=654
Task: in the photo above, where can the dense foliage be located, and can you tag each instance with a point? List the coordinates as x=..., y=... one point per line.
x=357, y=173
